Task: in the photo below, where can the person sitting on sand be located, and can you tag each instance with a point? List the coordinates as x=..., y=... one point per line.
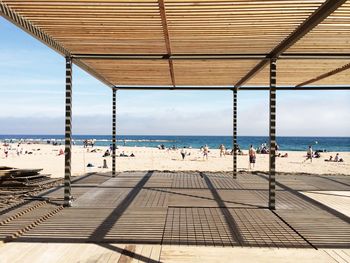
x=337, y=158
x=60, y=152
x=107, y=153
x=264, y=150
x=132, y=155
x=205, y=152
x=282, y=155
x=237, y=149
x=317, y=155
x=222, y=150
x=252, y=157
x=123, y=154
x=330, y=159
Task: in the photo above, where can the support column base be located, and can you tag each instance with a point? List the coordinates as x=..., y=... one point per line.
x=68, y=203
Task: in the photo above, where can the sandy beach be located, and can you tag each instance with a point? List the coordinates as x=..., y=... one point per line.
x=46, y=157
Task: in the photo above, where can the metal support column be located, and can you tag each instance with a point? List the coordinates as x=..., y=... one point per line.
x=114, y=115
x=68, y=135
x=234, y=143
x=272, y=124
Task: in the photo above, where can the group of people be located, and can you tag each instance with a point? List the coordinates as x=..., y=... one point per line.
x=337, y=158
x=109, y=152
x=19, y=150
x=89, y=143
x=310, y=154
x=264, y=149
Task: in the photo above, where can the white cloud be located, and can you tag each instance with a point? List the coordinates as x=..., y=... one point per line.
x=299, y=115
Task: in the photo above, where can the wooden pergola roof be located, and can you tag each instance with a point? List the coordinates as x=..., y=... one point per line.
x=202, y=43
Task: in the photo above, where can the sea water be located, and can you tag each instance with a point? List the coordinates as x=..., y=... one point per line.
x=286, y=143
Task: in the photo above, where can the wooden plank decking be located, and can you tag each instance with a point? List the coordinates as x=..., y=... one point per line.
x=184, y=208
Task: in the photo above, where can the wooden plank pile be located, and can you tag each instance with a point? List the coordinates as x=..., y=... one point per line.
x=16, y=185
x=14, y=176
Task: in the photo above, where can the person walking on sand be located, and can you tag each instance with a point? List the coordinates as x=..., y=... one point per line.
x=252, y=157
x=205, y=152
x=222, y=150
x=308, y=154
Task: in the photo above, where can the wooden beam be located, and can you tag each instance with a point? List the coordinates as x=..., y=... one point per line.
x=167, y=39
x=311, y=22
x=293, y=56
x=325, y=75
x=217, y=88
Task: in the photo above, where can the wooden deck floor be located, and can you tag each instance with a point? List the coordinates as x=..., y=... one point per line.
x=184, y=208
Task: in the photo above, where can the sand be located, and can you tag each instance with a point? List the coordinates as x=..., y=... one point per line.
x=46, y=157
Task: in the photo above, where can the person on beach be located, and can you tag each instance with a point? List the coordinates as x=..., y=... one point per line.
x=183, y=153
x=252, y=157
x=236, y=149
x=309, y=154
x=6, y=151
x=60, y=152
x=222, y=150
x=107, y=153
x=330, y=159
x=337, y=158
x=205, y=152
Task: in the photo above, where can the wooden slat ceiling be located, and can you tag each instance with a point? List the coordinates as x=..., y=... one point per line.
x=192, y=27
x=293, y=72
x=220, y=72
x=132, y=72
x=105, y=27
x=233, y=26
x=332, y=35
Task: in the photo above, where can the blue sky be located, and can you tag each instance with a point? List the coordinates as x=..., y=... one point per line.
x=32, y=92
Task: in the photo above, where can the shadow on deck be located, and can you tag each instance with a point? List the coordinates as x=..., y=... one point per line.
x=185, y=208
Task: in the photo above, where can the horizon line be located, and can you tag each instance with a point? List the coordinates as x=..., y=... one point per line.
x=18, y=134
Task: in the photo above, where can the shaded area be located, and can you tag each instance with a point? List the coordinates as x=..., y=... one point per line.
x=228, y=217
x=136, y=208
x=101, y=231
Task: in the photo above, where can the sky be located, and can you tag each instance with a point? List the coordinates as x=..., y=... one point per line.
x=32, y=89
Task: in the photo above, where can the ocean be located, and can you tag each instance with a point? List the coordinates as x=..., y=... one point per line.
x=286, y=143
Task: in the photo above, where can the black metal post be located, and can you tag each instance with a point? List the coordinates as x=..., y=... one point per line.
x=68, y=135
x=114, y=124
x=234, y=143
x=272, y=159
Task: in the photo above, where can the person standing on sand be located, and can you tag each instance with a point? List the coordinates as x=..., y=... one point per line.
x=252, y=157
x=205, y=152
x=6, y=151
x=183, y=153
x=222, y=150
